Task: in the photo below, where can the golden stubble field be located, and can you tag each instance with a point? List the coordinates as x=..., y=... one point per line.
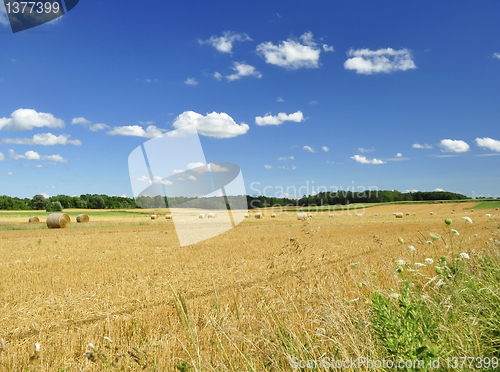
x=125, y=285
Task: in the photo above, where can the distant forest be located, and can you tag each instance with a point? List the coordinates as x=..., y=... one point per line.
x=38, y=202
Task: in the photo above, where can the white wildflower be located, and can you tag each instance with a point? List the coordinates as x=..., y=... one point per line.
x=418, y=264
x=465, y=256
x=455, y=232
x=467, y=219
x=400, y=262
x=429, y=261
x=411, y=248
x=394, y=295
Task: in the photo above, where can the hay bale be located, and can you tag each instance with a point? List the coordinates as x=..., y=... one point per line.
x=414, y=214
x=58, y=221
x=302, y=216
x=212, y=215
x=82, y=218
x=246, y=216
x=154, y=216
x=168, y=216
x=201, y=216
x=331, y=215
x=310, y=216
x=407, y=213
x=34, y=219
x=273, y=216
x=488, y=215
x=472, y=210
x=399, y=215
x=431, y=213
x=376, y=214
x=259, y=215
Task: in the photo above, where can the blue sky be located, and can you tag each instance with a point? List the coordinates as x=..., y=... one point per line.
x=339, y=93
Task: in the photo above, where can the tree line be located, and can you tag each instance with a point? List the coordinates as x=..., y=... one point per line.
x=95, y=201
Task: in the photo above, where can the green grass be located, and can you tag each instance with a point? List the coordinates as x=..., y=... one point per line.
x=488, y=205
x=90, y=212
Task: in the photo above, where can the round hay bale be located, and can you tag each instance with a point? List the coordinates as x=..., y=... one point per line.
x=201, y=216
x=399, y=215
x=376, y=214
x=212, y=215
x=58, y=221
x=472, y=210
x=168, y=216
x=34, y=219
x=154, y=216
x=331, y=215
x=407, y=213
x=414, y=214
x=246, y=216
x=273, y=216
x=302, y=216
x=431, y=213
x=82, y=218
x=259, y=215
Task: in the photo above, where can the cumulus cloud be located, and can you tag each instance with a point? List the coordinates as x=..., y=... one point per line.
x=218, y=75
x=156, y=179
x=2, y=157
x=399, y=155
x=242, y=69
x=325, y=149
x=268, y=119
x=137, y=131
x=284, y=158
x=224, y=43
x=33, y=155
x=191, y=81
x=308, y=148
x=327, y=48
x=87, y=123
x=293, y=167
x=44, y=139
x=488, y=143
x=449, y=145
x=496, y=55
x=216, y=125
x=280, y=99
x=268, y=166
x=292, y=54
x=4, y=20
x=438, y=189
x=419, y=146
x=364, y=160
x=366, y=61
x=27, y=119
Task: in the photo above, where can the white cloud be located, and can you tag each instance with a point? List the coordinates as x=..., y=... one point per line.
x=156, y=179
x=280, y=99
x=46, y=196
x=2, y=157
x=419, y=146
x=449, y=145
x=284, y=158
x=218, y=75
x=292, y=54
x=27, y=119
x=195, y=165
x=268, y=166
x=216, y=125
x=399, y=155
x=327, y=48
x=438, y=189
x=191, y=81
x=224, y=44
x=268, y=119
x=366, y=61
x=496, y=55
x=309, y=148
x=33, y=155
x=362, y=150
x=488, y=143
x=100, y=126
x=137, y=131
x=325, y=149
x=364, y=160
x=89, y=124
x=217, y=168
x=293, y=167
x=313, y=102
x=44, y=139
x=242, y=69
x=191, y=178
x=80, y=120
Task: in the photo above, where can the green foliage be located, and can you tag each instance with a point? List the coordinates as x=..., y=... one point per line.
x=54, y=206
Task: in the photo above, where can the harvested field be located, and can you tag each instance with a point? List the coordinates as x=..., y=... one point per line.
x=113, y=277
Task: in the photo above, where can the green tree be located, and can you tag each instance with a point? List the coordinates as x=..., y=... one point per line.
x=38, y=202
